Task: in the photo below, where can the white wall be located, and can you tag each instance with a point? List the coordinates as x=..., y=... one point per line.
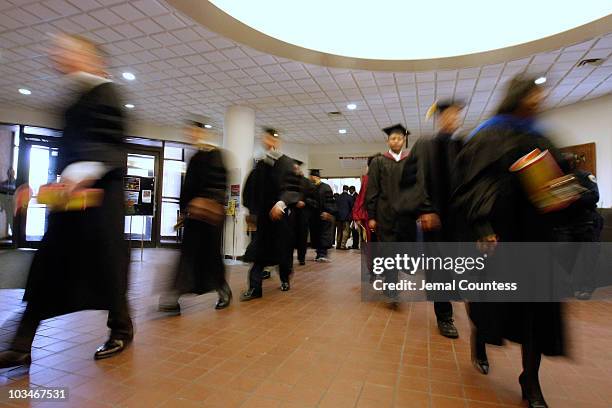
x=586, y=122
x=326, y=157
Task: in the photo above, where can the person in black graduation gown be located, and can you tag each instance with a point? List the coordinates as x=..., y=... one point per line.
x=435, y=159
x=383, y=195
x=302, y=214
x=274, y=191
x=355, y=233
x=83, y=260
x=496, y=208
x=201, y=269
x=384, y=176
x=322, y=218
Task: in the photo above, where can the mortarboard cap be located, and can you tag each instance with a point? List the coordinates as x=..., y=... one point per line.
x=396, y=129
x=298, y=162
x=441, y=106
x=272, y=132
x=315, y=172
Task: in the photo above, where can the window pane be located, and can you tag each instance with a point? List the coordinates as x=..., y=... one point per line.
x=171, y=152
x=36, y=225
x=169, y=218
x=138, y=227
x=39, y=167
x=39, y=131
x=173, y=171
x=141, y=165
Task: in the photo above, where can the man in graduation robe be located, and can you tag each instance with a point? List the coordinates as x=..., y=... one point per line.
x=435, y=158
x=275, y=191
x=83, y=260
x=201, y=269
x=322, y=219
x=384, y=176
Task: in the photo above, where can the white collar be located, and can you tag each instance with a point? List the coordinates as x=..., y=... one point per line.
x=88, y=80
x=396, y=156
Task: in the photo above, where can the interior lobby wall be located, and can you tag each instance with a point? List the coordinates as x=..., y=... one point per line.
x=586, y=122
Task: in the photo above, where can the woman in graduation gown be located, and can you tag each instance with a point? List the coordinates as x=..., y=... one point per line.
x=201, y=269
x=497, y=209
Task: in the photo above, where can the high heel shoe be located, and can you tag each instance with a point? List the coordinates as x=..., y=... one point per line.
x=534, y=396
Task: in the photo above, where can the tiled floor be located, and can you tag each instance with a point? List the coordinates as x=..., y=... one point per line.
x=315, y=346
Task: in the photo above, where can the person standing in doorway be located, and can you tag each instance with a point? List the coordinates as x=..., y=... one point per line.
x=344, y=204
x=322, y=219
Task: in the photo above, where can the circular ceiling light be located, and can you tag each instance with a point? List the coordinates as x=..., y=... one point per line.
x=129, y=106
x=207, y=126
x=351, y=106
x=342, y=131
x=129, y=76
x=540, y=80
x=25, y=91
x=394, y=30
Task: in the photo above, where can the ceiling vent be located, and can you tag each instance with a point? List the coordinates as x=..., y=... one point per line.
x=334, y=114
x=591, y=61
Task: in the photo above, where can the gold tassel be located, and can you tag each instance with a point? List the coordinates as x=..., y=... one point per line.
x=432, y=109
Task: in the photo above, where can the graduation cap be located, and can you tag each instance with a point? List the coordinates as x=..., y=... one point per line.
x=298, y=162
x=315, y=172
x=399, y=128
x=272, y=132
x=441, y=106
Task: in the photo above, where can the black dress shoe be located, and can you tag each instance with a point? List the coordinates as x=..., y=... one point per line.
x=482, y=366
x=479, y=354
x=173, y=309
x=250, y=294
x=448, y=329
x=110, y=348
x=302, y=263
x=224, y=300
x=266, y=275
x=533, y=394
x=285, y=286
x=12, y=358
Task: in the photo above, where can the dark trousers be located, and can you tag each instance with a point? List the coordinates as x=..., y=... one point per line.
x=444, y=310
x=403, y=230
x=321, y=253
x=355, y=233
x=119, y=323
x=301, y=235
x=256, y=271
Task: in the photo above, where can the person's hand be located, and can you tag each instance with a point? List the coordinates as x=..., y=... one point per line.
x=372, y=224
x=207, y=210
x=300, y=204
x=325, y=216
x=487, y=244
x=430, y=222
x=276, y=213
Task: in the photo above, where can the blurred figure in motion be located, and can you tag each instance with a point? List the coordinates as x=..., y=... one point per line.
x=274, y=192
x=302, y=213
x=201, y=267
x=580, y=222
x=497, y=208
x=322, y=219
x=83, y=259
x=435, y=158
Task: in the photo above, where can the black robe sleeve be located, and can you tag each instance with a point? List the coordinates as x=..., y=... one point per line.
x=290, y=191
x=328, y=204
x=206, y=177
x=373, y=191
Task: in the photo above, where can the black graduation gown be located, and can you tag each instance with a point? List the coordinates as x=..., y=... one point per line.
x=273, y=182
x=392, y=209
x=302, y=215
x=83, y=260
x=321, y=231
x=201, y=268
x=493, y=201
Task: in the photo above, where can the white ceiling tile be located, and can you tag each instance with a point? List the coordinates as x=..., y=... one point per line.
x=148, y=26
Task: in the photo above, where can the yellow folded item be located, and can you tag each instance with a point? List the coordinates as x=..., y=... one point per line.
x=56, y=196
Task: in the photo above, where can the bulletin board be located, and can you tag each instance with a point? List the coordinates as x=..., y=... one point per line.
x=139, y=195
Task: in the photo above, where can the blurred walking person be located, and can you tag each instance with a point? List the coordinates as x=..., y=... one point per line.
x=322, y=218
x=201, y=269
x=344, y=205
x=83, y=259
x=497, y=209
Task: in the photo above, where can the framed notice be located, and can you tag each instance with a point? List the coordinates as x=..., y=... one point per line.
x=138, y=195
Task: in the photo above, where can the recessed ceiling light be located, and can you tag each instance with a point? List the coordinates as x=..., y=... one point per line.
x=351, y=106
x=540, y=80
x=207, y=126
x=129, y=106
x=24, y=91
x=342, y=131
x=129, y=76
x=275, y=134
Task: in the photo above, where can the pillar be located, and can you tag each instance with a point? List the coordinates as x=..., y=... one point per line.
x=238, y=141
